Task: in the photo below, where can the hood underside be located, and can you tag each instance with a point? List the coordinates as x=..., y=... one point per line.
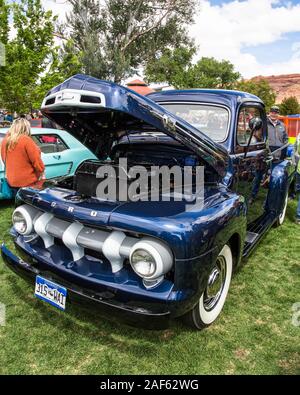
x=98, y=113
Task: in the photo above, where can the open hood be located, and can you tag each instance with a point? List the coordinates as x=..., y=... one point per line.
x=93, y=110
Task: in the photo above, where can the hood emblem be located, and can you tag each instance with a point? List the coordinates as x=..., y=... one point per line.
x=65, y=96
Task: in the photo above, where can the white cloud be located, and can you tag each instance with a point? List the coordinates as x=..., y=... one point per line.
x=296, y=50
x=226, y=31
x=58, y=7
x=12, y=32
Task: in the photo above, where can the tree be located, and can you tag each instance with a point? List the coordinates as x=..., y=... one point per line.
x=64, y=63
x=211, y=73
x=115, y=37
x=260, y=88
x=4, y=27
x=27, y=55
x=172, y=66
x=176, y=68
x=289, y=106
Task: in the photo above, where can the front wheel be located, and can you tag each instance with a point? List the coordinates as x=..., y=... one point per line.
x=213, y=298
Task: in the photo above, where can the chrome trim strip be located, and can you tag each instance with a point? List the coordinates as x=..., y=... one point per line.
x=40, y=228
x=69, y=239
x=111, y=250
x=72, y=97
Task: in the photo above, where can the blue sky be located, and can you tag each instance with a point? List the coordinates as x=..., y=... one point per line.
x=277, y=51
x=260, y=37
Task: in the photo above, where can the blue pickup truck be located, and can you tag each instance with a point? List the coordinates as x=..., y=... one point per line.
x=145, y=260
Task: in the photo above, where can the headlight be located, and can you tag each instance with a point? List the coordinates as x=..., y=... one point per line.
x=23, y=218
x=151, y=259
x=19, y=222
x=143, y=263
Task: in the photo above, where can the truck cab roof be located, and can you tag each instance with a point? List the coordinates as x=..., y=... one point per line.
x=221, y=96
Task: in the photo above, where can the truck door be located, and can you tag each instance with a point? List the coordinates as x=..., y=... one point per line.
x=252, y=164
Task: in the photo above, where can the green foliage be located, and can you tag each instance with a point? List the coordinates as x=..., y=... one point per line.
x=211, y=73
x=260, y=88
x=27, y=54
x=176, y=68
x=172, y=66
x=114, y=38
x=4, y=27
x=64, y=63
x=289, y=106
x=33, y=63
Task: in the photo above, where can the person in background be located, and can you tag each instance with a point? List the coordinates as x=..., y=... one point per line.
x=46, y=139
x=24, y=166
x=8, y=117
x=47, y=123
x=278, y=136
x=297, y=158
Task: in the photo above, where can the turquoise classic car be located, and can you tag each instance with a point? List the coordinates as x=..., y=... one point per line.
x=61, y=152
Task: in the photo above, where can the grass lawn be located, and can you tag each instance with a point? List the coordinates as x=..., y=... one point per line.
x=254, y=333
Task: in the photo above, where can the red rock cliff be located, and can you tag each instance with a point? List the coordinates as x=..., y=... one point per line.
x=284, y=85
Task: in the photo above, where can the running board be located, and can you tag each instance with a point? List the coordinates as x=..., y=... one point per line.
x=256, y=232
x=251, y=237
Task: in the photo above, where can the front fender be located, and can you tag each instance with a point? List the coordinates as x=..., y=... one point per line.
x=228, y=225
x=281, y=177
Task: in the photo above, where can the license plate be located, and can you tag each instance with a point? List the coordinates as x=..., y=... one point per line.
x=50, y=292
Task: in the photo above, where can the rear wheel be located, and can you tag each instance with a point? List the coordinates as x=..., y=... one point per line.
x=213, y=298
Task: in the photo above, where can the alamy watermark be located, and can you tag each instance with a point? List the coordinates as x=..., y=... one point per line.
x=2, y=314
x=151, y=183
x=296, y=314
x=2, y=54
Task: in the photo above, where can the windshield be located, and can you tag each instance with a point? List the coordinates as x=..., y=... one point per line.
x=210, y=120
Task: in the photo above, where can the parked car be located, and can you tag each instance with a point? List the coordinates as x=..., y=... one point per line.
x=151, y=261
x=61, y=152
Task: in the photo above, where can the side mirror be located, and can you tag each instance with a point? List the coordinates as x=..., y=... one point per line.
x=255, y=123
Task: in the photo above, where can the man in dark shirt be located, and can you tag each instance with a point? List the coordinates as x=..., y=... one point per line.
x=277, y=133
x=47, y=123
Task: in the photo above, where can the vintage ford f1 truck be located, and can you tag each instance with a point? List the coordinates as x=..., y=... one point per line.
x=150, y=260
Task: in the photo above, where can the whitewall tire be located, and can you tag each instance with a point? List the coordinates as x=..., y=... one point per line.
x=213, y=298
x=282, y=215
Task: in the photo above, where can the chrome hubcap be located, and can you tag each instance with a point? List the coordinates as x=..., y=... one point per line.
x=215, y=284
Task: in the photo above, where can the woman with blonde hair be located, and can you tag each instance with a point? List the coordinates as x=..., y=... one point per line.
x=21, y=156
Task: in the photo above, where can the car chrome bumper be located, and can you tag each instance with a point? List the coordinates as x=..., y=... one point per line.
x=87, y=297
